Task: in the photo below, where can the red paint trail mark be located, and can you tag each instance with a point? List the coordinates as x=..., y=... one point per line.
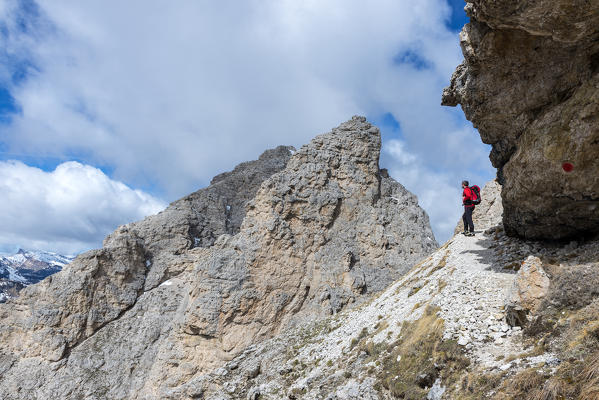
x=568, y=167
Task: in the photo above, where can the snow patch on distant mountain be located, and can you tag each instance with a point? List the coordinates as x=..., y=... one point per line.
x=25, y=268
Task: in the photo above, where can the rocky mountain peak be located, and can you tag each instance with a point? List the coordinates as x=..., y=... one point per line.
x=269, y=246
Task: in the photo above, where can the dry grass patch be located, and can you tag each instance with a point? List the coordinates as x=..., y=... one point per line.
x=354, y=342
x=477, y=385
x=574, y=337
x=419, y=357
x=441, y=285
x=522, y=384
x=590, y=377
x=416, y=307
x=380, y=326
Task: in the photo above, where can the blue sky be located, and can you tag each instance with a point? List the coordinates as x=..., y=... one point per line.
x=145, y=103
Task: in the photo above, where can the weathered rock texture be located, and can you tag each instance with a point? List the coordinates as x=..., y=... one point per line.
x=527, y=292
x=529, y=83
x=158, y=307
x=199, y=219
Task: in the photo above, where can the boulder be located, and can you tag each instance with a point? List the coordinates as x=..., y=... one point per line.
x=527, y=292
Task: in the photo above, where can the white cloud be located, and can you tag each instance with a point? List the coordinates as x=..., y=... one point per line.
x=435, y=193
x=67, y=210
x=159, y=90
x=168, y=95
x=397, y=149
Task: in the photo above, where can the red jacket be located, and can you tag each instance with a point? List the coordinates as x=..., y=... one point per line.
x=467, y=196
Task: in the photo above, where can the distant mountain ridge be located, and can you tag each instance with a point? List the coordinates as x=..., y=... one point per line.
x=25, y=267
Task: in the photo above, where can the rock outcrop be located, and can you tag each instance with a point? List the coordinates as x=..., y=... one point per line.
x=529, y=83
x=170, y=298
x=198, y=219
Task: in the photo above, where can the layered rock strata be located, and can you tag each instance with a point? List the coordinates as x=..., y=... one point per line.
x=529, y=83
x=158, y=307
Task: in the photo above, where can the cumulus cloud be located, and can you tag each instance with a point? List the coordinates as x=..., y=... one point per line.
x=159, y=91
x=170, y=95
x=67, y=210
x=434, y=189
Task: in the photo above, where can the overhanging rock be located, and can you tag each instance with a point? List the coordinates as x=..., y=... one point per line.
x=529, y=83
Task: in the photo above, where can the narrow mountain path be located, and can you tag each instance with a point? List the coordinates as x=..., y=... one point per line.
x=472, y=302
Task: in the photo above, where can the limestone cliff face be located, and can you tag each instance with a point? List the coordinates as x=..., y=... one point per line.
x=529, y=83
x=174, y=296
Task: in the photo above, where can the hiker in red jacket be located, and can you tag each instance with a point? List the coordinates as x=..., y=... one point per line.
x=468, y=208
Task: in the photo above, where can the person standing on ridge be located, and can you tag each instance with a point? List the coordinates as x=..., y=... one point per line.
x=468, y=208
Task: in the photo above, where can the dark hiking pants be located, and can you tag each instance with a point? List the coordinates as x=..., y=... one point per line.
x=467, y=218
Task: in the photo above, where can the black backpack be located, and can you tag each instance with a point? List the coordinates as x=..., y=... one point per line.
x=475, y=195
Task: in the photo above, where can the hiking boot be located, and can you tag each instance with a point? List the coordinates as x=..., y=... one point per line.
x=465, y=233
x=469, y=233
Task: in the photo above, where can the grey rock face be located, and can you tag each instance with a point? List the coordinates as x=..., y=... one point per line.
x=529, y=83
x=199, y=219
x=155, y=309
x=527, y=292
